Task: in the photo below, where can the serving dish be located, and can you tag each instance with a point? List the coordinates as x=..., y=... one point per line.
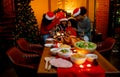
x=78, y=58
x=89, y=47
x=54, y=51
x=64, y=52
x=91, y=57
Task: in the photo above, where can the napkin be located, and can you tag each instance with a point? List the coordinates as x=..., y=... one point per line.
x=76, y=71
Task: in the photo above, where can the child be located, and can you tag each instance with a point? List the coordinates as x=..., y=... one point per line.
x=71, y=28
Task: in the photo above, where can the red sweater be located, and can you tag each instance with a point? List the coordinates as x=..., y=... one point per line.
x=71, y=31
x=46, y=28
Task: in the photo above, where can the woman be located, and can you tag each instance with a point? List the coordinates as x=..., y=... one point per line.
x=48, y=22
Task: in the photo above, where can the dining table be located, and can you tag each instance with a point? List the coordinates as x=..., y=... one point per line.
x=104, y=63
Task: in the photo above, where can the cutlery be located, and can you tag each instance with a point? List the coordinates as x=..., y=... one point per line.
x=46, y=63
x=49, y=67
x=47, y=59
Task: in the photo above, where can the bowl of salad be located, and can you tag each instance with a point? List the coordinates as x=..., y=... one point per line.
x=64, y=53
x=85, y=45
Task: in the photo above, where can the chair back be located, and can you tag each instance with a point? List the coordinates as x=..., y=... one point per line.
x=106, y=47
x=20, y=63
x=107, y=44
x=15, y=55
x=28, y=47
x=23, y=44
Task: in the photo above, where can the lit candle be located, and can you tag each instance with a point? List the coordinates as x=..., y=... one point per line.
x=74, y=51
x=81, y=66
x=88, y=65
x=58, y=34
x=62, y=34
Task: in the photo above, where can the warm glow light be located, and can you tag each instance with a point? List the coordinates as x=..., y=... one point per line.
x=89, y=65
x=62, y=34
x=70, y=5
x=74, y=51
x=81, y=66
x=58, y=34
x=69, y=10
x=82, y=51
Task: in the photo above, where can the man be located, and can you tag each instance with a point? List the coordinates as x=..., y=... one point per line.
x=83, y=23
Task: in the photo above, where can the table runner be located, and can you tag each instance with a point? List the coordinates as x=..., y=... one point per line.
x=76, y=71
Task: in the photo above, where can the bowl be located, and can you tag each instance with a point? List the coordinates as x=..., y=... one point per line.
x=64, y=46
x=91, y=57
x=64, y=53
x=78, y=58
x=54, y=51
x=89, y=47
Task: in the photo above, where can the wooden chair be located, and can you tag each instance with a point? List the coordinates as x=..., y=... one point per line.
x=106, y=46
x=25, y=64
x=24, y=45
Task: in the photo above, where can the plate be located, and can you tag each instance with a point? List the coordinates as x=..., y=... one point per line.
x=49, y=39
x=48, y=45
x=59, y=62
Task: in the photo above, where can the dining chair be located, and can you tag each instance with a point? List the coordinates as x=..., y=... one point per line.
x=106, y=46
x=24, y=64
x=28, y=47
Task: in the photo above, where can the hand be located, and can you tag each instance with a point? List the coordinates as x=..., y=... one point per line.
x=82, y=34
x=56, y=20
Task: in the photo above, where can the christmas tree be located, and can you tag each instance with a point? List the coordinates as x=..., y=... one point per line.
x=26, y=23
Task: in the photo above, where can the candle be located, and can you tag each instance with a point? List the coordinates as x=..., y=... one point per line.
x=58, y=34
x=62, y=34
x=81, y=66
x=89, y=65
x=74, y=51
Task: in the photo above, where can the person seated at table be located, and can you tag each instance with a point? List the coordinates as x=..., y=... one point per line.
x=83, y=23
x=49, y=20
x=71, y=27
x=63, y=24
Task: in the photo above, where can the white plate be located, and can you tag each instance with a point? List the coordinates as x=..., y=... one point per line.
x=59, y=62
x=49, y=39
x=48, y=45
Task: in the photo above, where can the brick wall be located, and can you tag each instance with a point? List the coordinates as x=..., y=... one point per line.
x=102, y=16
